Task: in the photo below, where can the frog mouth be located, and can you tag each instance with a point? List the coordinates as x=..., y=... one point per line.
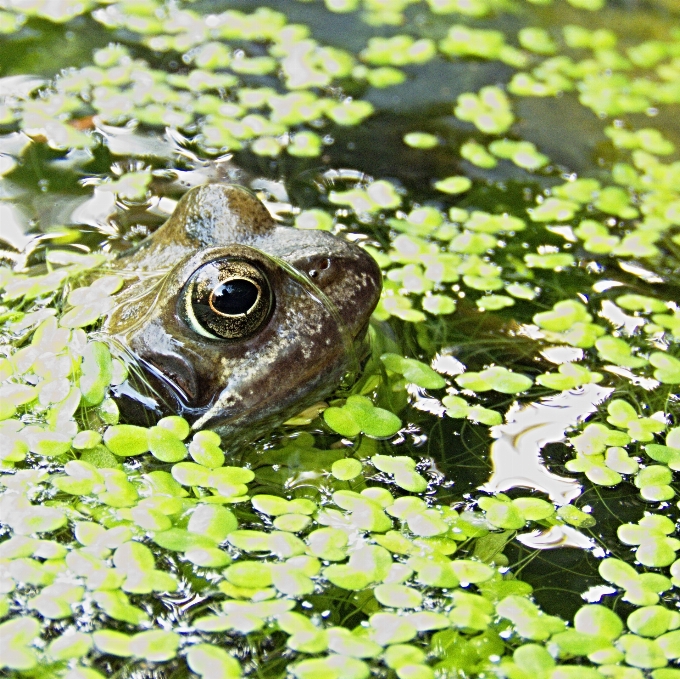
x=176, y=375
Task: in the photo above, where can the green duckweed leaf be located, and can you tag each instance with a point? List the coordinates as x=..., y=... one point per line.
x=212, y=662
x=178, y=426
x=292, y=523
x=527, y=618
x=86, y=439
x=655, y=549
x=563, y=316
x=303, y=637
x=621, y=413
x=70, y=645
x=192, y=474
x=329, y=544
x=555, y=260
x=477, y=154
x=400, y=307
x=420, y=140
x=618, y=351
x=667, y=367
x=496, y=378
x=389, y=628
x=464, y=41
x=398, y=50
x=155, y=645
x=277, y=506
x=365, y=512
x=346, y=469
x=212, y=521
x=533, y=658
x=453, y=185
x=403, y=469
x=569, y=376
x=571, y=642
x=366, y=565
x=414, y=371
x=457, y=406
x=97, y=371
x=537, y=40
x=115, y=643
x=305, y=144
x=598, y=620
x=641, y=303
x=16, y=635
x=398, y=596
x=360, y=415
x=332, y=667
x=581, y=190
x=439, y=305
x=596, y=437
x=165, y=445
x=524, y=154
x=126, y=440
x=489, y=110
x=205, y=449
x=643, y=653
x=653, y=621
x=385, y=76
x=179, y=540
x=575, y=517
x=664, y=454
x=249, y=574
x=468, y=570
x=280, y=543
x=554, y=210
x=350, y=113
x=616, y=201
x=502, y=514
x=344, y=642
x=494, y=302
x=618, y=460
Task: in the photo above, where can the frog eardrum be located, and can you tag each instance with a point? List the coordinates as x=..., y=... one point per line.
x=226, y=299
x=236, y=322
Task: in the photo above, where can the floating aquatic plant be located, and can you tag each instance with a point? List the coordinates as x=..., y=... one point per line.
x=105, y=521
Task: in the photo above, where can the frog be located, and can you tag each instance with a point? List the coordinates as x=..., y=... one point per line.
x=237, y=322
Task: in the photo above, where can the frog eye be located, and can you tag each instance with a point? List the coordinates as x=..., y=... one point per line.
x=226, y=299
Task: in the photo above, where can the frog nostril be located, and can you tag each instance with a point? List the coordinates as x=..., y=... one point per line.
x=321, y=266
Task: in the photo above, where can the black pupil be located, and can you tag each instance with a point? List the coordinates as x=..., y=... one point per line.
x=234, y=297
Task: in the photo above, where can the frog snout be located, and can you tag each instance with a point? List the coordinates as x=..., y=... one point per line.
x=321, y=269
x=350, y=281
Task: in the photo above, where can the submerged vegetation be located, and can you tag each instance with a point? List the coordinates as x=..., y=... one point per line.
x=525, y=210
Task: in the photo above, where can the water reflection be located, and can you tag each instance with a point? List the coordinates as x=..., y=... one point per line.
x=14, y=225
x=556, y=536
x=515, y=454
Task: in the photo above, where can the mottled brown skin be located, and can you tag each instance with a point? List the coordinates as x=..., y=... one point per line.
x=241, y=388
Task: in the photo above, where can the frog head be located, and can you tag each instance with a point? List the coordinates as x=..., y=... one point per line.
x=237, y=322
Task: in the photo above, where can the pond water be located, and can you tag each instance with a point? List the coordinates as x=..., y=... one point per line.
x=494, y=493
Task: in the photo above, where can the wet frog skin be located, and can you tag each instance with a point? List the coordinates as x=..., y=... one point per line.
x=237, y=322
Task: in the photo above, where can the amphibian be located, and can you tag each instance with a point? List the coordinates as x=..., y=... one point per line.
x=237, y=322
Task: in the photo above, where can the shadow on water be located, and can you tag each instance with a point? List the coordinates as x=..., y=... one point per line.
x=31, y=48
